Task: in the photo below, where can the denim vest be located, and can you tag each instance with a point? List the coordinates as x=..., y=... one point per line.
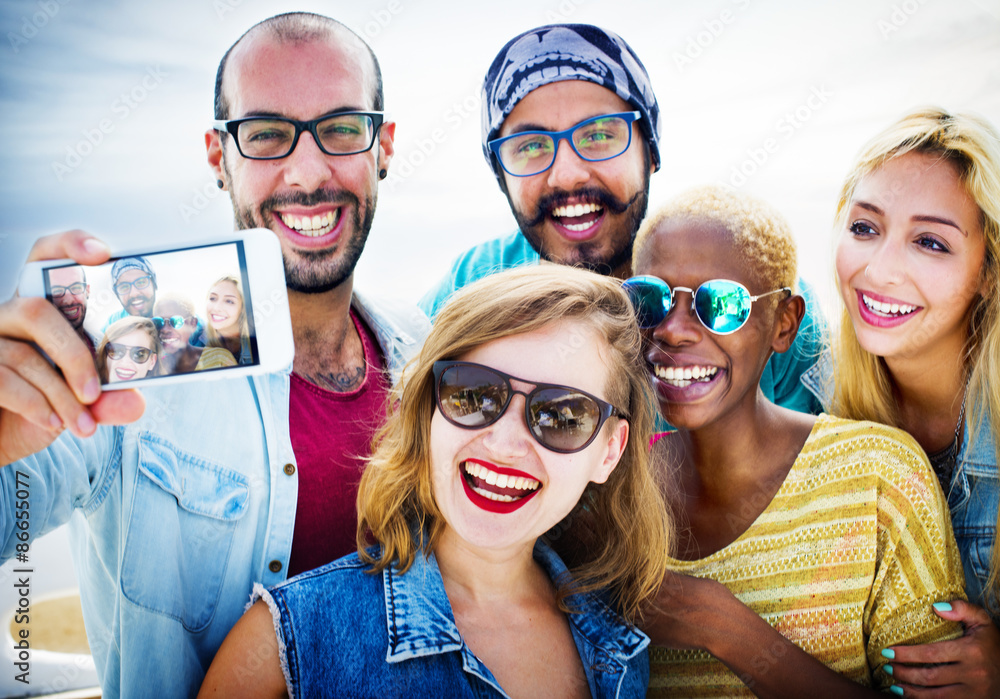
x=973, y=495
x=345, y=632
x=175, y=517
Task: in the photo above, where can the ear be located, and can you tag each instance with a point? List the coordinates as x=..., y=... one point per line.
x=790, y=312
x=386, y=144
x=617, y=441
x=213, y=145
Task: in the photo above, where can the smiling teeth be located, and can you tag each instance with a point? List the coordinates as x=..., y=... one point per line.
x=312, y=226
x=683, y=376
x=500, y=480
x=887, y=309
x=574, y=210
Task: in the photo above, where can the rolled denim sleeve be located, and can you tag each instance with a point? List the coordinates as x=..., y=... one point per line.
x=66, y=475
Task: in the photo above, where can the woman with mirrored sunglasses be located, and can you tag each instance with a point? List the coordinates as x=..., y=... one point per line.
x=522, y=424
x=918, y=269
x=177, y=323
x=806, y=544
x=129, y=350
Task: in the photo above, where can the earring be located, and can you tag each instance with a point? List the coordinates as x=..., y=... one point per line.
x=220, y=184
x=383, y=173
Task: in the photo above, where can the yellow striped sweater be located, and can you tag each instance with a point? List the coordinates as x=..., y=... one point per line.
x=846, y=560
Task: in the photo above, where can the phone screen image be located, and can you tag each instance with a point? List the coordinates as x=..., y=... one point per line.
x=163, y=313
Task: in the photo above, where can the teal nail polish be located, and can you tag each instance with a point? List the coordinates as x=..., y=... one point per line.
x=889, y=653
x=942, y=606
x=887, y=669
x=898, y=691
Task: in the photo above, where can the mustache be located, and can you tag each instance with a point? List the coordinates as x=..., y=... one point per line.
x=596, y=194
x=319, y=196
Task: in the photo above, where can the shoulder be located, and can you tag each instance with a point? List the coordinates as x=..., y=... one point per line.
x=393, y=317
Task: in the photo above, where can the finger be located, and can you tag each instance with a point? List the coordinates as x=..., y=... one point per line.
x=36, y=320
x=118, y=407
x=33, y=389
x=21, y=397
x=969, y=615
x=939, y=652
x=77, y=245
x=901, y=689
x=926, y=676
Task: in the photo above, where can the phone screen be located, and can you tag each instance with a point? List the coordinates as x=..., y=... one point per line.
x=163, y=313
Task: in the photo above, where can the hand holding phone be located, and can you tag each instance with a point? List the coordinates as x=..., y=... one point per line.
x=36, y=401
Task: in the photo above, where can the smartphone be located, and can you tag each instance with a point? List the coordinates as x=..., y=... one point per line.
x=209, y=309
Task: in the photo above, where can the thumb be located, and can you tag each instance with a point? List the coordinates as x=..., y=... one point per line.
x=967, y=614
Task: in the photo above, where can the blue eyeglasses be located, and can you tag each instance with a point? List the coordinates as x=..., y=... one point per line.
x=599, y=138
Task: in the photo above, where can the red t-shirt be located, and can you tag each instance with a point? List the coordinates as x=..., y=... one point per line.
x=331, y=435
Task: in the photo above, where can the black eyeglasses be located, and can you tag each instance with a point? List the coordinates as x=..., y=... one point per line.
x=175, y=322
x=76, y=288
x=143, y=282
x=139, y=355
x=560, y=418
x=532, y=152
x=271, y=138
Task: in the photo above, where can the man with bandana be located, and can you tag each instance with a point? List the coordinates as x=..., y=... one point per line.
x=571, y=130
x=222, y=485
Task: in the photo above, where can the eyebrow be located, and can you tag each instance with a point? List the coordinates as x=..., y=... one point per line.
x=521, y=128
x=279, y=115
x=922, y=218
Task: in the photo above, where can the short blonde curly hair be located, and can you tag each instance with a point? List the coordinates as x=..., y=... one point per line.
x=759, y=232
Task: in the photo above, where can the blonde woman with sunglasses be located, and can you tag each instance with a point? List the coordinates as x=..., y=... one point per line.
x=129, y=350
x=523, y=423
x=806, y=544
x=918, y=267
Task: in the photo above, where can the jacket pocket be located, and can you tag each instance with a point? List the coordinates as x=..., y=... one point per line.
x=184, y=516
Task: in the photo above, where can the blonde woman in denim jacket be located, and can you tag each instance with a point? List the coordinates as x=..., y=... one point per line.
x=918, y=269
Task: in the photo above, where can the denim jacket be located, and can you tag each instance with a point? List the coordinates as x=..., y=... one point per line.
x=175, y=517
x=344, y=632
x=973, y=495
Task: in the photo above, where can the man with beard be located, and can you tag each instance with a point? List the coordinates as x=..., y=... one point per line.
x=222, y=486
x=70, y=292
x=571, y=130
x=134, y=283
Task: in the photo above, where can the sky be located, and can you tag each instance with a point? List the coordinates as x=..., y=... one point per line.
x=107, y=104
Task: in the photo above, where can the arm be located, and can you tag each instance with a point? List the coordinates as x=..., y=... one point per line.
x=698, y=614
x=36, y=402
x=248, y=664
x=965, y=667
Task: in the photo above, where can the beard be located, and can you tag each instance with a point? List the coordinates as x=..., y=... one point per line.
x=589, y=254
x=315, y=271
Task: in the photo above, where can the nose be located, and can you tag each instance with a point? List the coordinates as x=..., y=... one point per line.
x=568, y=169
x=680, y=326
x=886, y=266
x=508, y=437
x=307, y=167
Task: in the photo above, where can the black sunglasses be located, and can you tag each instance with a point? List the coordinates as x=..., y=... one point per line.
x=560, y=418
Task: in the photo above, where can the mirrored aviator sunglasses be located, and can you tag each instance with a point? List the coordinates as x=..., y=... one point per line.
x=175, y=322
x=139, y=355
x=721, y=305
x=560, y=418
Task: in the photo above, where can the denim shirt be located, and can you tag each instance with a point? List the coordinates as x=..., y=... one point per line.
x=175, y=517
x=779, y=382
x=344, y=632
x=973, y=496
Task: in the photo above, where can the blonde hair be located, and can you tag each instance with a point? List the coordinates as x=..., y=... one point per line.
x=863, y=384
x=214, y=338
x=625, y=517
x=758, y=231
x=121, y=328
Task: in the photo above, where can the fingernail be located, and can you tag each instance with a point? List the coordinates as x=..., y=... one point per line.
x=897, y=690
x=85, y=423
x=55, y=421
x=889, y=653
x=942, y=606
x=94, y=246
x=91, y=390
x=887, y=668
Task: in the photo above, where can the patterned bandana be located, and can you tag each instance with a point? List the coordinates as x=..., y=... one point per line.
x=567, y=52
